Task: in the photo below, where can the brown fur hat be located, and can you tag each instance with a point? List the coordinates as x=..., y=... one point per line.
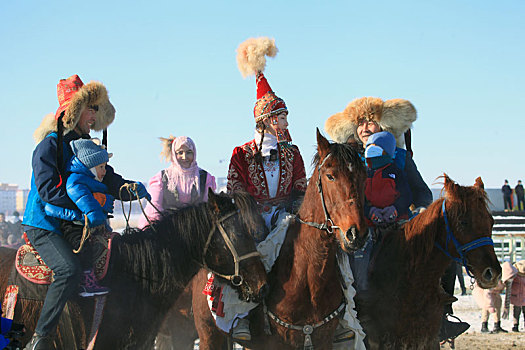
x=93, y=93
x=395, y=116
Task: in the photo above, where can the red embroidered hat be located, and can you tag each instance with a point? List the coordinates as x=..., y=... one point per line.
x=251, y=60
x=66, y=89
x=74, y=97
x=267, y=103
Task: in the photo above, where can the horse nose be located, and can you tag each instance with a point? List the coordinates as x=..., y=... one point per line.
x=489, y=274
x=263, y=291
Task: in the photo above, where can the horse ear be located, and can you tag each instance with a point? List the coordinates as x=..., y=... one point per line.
x=479, y=183
x=450, y=185
x=323, y=146
x=212, y=200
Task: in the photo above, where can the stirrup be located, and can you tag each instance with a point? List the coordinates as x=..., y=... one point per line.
x=342, y=334
x=241, y=331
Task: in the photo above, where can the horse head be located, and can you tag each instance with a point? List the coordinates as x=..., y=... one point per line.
x=340, y=175
x=470, y=223
x=231, y=247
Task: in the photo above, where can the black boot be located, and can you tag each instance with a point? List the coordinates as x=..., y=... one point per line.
x=515, y=328
x=484, y=327
x=40, y=342
x=450, y=330
x=498, y=329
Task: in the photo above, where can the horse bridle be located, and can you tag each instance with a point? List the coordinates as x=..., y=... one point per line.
x=328, y=225
x=236, y=279
x=461, y=249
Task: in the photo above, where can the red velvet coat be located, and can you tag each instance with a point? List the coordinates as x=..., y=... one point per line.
x=247, y=174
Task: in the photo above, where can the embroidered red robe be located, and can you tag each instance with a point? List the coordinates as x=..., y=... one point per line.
x=247, y=174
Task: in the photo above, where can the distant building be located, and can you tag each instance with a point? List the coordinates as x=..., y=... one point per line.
x=12, y=198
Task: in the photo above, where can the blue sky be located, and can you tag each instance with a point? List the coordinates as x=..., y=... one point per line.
x=170, y=68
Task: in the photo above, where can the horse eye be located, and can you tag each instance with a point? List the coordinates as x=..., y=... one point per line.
x=330, y=177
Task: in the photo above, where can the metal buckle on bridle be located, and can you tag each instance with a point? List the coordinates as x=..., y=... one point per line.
x=330, y=226
x=236, y=279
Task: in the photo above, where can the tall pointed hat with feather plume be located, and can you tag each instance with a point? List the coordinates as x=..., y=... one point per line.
x=395, y=116
x=251, y=60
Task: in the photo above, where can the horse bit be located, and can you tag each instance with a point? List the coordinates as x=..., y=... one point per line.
x=236, y=279
x=461, y=249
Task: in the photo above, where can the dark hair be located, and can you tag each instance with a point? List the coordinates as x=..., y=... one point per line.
x=260, y=127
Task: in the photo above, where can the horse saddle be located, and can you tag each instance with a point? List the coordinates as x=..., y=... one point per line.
x=30, y=265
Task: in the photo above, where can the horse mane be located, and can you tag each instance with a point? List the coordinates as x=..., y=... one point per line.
x=420, y=232
x=344, y=154
x=159, y=255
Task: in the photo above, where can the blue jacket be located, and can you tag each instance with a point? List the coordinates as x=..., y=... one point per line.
x=80, y=186
x=45, y=183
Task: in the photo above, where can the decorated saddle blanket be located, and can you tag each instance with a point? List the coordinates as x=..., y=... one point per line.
x=30, y=265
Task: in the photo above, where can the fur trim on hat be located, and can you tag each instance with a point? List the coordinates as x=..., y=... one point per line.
x=166, y=148
x=251, y=55
x=339, y=127
x=398, y=116
x=395, y=116
x=47, y=125
x=93, y=93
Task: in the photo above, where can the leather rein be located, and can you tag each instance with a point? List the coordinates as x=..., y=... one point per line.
x=236, y=279
x=328, y=225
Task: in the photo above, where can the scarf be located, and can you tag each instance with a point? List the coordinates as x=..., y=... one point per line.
x=181, y=181
x=269, y=143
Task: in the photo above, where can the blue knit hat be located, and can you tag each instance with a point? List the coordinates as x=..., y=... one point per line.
x=89, y=153
x=385, y=140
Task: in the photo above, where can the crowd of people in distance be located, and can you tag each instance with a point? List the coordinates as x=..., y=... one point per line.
x=508, y=197
x=11, y=231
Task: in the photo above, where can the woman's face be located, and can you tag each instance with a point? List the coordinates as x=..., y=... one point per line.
x=282, y=123
x=185, y=156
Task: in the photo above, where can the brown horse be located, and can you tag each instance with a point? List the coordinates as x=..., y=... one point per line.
x=305, y=287
x=149, y=268
x=404, y=305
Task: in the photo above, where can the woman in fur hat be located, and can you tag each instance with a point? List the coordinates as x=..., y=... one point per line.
x=82, y=108
x=183, y=183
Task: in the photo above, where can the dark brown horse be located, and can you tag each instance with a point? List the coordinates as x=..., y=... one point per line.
x=149, y=268
x=404, y=305
x=304, y=283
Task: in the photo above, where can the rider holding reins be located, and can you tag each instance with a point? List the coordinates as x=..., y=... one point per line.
x=82, y=108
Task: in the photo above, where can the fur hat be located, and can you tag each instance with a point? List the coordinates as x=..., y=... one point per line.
x=251, y=60
x=74, y=97
x=520, y=265
x=395, y=116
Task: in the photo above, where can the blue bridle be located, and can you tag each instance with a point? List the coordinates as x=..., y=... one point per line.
x=461, y=249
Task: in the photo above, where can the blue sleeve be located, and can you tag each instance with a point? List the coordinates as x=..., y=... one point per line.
x=46, y=174
x=422, y=196
x=114, y=182
x=63, y=213
x=404, y=200
x=81, y=194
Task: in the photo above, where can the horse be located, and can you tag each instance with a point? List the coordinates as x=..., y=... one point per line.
x=403, y=306
x=305, y=288
x=150, y=267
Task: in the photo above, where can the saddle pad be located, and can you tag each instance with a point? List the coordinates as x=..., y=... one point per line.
x=30, y=265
